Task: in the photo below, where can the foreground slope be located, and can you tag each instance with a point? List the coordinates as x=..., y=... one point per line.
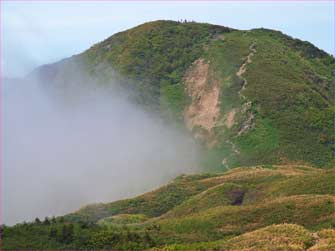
x=286, y=207
x=250, y=97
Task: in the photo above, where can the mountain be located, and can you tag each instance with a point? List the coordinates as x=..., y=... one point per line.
x=250, y=97
x=261, y=105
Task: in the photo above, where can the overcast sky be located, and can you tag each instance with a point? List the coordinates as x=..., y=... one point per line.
x=40, y=32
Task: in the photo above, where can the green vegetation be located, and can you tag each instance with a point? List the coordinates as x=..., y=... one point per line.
x=279, y=88
x=240, y=208
x=154, y=54
x=223, y=194
x=290, y=88
x=123, y=219
x=282, y=237
x=173, y=101
x=292, y=91
x=150, y=204
x=275, y=118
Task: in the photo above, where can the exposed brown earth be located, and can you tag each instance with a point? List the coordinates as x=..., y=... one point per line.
x=204, y=92
x=229, y=118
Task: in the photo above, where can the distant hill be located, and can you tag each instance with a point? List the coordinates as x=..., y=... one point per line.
x=250, y=97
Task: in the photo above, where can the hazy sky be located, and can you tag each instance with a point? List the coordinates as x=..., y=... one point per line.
x=35, y=33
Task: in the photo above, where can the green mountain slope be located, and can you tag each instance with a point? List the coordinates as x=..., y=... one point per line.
x=257, y=99
x=250, y=97
x=244, y=208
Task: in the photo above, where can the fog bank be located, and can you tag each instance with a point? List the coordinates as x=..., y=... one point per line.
x=58, y=155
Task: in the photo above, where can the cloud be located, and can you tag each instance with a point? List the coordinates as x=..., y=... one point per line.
x=92, y=145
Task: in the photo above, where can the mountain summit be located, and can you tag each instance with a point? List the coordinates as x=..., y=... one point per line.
x=250, y=97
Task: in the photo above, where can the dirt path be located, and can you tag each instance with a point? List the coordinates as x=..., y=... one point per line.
x=239, y=74
x=243, y=68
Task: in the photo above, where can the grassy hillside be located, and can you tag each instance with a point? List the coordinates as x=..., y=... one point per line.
x=244, y=208
x=286, y=105
x=257, y=99
x=250, y=97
